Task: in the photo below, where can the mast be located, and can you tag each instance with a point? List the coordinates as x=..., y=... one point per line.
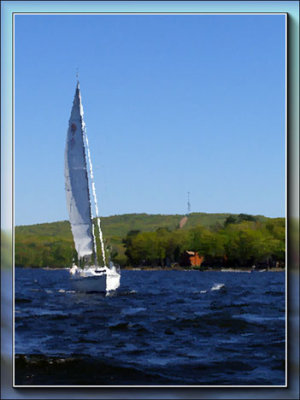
x=90, y=177
x=188, y=204
x=85, y=144
x=87, y=175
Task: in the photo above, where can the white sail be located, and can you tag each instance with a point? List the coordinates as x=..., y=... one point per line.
x=76, y=181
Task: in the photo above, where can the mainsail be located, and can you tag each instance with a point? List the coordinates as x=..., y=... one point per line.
x=76, y=181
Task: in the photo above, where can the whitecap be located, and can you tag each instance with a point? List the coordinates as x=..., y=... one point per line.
x=200, y=291
x=133, y=310
x=218, y=286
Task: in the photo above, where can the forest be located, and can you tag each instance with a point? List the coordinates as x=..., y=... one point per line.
x=142, y=240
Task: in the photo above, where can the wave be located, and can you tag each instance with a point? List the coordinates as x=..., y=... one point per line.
x=120, y=326
x=66, y=291
x=41, y=370
x=200, y=291
x=204, y=323
x=218, y=286
x=122, y=293
x=274, y=293
x=133, y=310
x=22, y=300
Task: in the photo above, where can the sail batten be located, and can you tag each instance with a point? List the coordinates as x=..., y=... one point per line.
x=76, y=181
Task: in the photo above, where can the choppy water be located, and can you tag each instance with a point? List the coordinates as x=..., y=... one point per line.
x=160, y=327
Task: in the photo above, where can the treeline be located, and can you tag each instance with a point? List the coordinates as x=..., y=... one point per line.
x=241, y=242
x=37, y=251
x=224, y=240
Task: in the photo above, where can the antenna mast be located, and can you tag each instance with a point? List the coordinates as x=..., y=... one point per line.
x=188, y=204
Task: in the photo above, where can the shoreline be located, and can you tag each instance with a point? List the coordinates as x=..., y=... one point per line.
x=158, y=268
x=203, y=270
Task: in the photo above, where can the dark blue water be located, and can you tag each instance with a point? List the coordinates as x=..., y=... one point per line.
x=160, y=327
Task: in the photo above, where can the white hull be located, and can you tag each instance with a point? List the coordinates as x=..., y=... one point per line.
x=89, y=283
x=91, y=280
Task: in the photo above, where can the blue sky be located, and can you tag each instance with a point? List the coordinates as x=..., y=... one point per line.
x=172, y=104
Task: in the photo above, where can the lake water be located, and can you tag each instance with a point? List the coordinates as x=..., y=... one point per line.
x=158, y=328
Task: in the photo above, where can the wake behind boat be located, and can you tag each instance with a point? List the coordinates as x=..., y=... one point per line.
x=88, y=275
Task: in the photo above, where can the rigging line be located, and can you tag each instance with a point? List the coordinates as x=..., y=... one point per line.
x=94, y=196
x=95, y=244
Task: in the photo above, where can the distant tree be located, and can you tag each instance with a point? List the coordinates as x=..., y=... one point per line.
x=128, y=243
x=233, y=219
x=230, y=220
x=245, y=217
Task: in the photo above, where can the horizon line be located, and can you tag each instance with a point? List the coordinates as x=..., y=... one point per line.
x=152, y=214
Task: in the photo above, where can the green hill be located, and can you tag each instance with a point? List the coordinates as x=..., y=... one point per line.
x=120, y=225
x=51, y=244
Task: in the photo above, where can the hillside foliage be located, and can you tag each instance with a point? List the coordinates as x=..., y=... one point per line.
x=156, y=240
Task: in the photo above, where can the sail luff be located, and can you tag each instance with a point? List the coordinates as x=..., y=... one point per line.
x=76, y=181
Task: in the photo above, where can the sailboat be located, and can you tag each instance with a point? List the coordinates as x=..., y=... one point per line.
x=87, y=275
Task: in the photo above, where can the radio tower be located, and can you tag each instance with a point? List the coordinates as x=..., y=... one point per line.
x=188, y=204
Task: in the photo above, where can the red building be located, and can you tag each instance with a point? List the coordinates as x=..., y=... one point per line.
x=191, y=259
